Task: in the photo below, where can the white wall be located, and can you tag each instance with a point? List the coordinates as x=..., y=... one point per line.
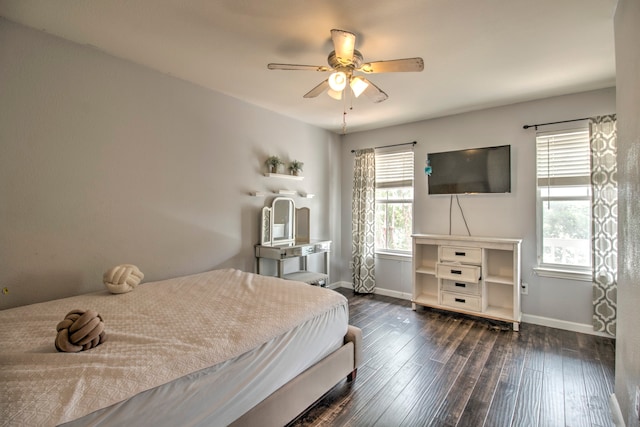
x=627, y=34
x=106, y=162
x=502, y=215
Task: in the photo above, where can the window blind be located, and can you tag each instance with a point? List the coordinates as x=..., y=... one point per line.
x=394, y=169
x=563, y=158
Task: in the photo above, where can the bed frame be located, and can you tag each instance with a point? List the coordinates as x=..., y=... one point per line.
x=293, y=398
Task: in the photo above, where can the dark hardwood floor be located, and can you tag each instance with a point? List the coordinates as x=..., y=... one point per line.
x=435, y=368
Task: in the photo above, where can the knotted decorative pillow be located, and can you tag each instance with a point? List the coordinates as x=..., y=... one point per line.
x=122, y=278
x=80, y=330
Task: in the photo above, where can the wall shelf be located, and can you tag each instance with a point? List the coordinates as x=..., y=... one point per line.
x=282, y=193
x=284, y=176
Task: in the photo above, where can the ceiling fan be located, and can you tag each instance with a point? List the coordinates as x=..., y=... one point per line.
x=345, y=61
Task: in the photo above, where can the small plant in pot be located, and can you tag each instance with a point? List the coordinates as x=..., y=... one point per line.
x=273, y=162
x=295, y=167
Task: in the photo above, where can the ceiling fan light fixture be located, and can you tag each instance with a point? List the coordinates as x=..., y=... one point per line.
x=335, y=94
x=358, y=85
x=338, y=81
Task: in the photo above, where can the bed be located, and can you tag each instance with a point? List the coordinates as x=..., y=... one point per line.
x=219, y=348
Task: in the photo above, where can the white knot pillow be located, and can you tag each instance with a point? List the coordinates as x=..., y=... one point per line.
x=122, y=278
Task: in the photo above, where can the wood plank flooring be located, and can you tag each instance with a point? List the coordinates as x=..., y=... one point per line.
x=435, y=368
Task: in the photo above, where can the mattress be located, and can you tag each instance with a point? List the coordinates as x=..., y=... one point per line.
x=185, y=350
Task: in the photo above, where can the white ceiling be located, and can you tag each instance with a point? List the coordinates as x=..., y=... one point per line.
x=477, y=53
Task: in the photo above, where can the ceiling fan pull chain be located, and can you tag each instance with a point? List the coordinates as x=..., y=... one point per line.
x=350, y=95
x=344, y=122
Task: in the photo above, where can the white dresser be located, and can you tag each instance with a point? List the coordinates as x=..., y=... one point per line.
x=473, y=275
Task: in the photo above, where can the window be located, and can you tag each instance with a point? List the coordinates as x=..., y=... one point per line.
x=564, y=202
x=394, y=200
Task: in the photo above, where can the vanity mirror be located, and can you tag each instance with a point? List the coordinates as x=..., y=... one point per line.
x=278, y=222
x=283, y=224
x=302, y=225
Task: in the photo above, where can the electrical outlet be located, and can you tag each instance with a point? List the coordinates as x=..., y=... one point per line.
x=636, y=406
x=524, y=288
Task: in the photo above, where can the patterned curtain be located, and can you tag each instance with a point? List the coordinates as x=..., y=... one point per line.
x=604, y=208
x=363, y=221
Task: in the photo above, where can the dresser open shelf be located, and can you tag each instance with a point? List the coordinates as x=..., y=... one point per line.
x=479, y=276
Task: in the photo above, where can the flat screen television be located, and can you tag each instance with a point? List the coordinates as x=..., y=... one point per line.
x=475, y=170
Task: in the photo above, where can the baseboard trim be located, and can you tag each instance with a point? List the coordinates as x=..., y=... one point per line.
x=394, y=294
x=616, y=413
x=583, y=328
x=336, y=285
x=377, y=291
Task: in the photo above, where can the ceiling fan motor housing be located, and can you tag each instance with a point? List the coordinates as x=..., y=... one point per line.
x=345, y=64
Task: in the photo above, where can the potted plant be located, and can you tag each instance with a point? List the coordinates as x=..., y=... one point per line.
x=295, y=167
x=273, y=162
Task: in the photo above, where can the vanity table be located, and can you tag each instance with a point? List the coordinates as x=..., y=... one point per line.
x=284, y=234
x=282, y=252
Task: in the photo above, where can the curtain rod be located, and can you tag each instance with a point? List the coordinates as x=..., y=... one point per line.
x=392, y=145
x=553, y=123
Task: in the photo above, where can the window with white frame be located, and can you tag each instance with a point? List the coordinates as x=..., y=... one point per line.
x=394, y=200
x=564, y=201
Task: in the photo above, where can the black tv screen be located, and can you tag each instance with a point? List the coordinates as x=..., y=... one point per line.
x=476, y=170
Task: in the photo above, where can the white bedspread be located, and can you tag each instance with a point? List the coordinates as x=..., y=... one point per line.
x=159, y=332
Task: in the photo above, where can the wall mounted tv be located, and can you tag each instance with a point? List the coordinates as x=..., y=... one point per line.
x=476, y=170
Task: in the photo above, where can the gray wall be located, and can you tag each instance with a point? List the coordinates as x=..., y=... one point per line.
x=106, y=162
x=503, y=215
x=627, y=35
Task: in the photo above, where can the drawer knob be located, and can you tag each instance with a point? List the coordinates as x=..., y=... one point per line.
x=461, y=253
x=461, y=285
x=461, y=300
x=456, y=271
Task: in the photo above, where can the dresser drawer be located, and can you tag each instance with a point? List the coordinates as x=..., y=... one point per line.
x=457, y=272
x=299, y=251
x=461, y=287
x=461, y=254
x=465, y=302
x=323, y=247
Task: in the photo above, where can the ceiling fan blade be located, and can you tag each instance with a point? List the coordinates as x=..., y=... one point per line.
x=298, y=67
x=374, y=93
x=393, y=66
x=344, y=43
x=317, y=90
